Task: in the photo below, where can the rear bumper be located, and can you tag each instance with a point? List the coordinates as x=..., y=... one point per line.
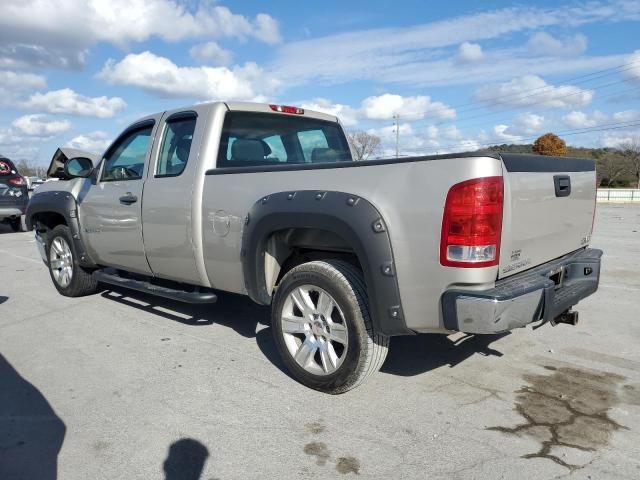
x=524, y=298
x=13, y=211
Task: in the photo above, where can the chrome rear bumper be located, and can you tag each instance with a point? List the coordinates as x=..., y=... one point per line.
x=542, y=293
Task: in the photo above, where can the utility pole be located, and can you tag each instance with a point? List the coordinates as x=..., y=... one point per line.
x=396, y=119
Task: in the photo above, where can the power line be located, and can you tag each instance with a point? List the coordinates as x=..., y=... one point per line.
x=519, y=107
x=600, y=97
x=611, y=70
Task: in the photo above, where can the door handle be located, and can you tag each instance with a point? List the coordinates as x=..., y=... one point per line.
x=128, y=199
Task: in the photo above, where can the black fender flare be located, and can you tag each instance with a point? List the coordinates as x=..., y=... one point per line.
x=64, y=204
x=352, y=218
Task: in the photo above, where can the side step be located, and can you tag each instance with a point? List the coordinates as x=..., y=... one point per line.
x=147, y=287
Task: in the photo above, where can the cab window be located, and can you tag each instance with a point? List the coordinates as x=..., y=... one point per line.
x=257, y=139
x=125, y=160
x=176, y=145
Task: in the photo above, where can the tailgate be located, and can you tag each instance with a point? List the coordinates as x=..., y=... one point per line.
x=549, y=203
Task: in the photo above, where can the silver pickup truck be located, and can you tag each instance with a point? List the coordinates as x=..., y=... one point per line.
x=265, y=201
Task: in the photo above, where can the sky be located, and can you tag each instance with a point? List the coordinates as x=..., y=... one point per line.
x=459, y=75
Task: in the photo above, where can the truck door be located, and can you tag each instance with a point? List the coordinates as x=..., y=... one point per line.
x=111, y=210
x=169, y=194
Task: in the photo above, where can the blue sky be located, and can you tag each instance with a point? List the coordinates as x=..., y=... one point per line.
x=460, y=75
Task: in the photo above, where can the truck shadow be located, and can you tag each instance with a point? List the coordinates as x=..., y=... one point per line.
x=408, y=356
x=417, y=354
x=31, y=434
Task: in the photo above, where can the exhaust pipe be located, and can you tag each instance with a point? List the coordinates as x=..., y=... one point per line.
x=569, y=317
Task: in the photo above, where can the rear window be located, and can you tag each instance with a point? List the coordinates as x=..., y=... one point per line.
x=7, y=167
x=255, y=139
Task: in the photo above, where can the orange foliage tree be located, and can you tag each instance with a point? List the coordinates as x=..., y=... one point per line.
x=550, y=144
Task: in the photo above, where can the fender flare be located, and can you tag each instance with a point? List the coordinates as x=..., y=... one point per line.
x=352, y=218
x=64, y=204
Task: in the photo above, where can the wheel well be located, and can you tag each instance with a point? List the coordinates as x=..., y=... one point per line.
x=288, y=248
x=48, y=219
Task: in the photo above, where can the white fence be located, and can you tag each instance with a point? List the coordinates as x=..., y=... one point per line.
x=618, y=195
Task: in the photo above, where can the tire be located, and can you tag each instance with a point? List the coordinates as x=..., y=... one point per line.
x=19, y=224
x=330, y=348
x=15, y=225
x=69, y=278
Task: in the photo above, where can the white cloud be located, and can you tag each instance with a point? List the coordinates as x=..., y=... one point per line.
x=17, y=81
x=58, y=33
x=470, y=52
x=533, y=90
x=384, y=107
x=414, y=54
x=40, y=125
x=501, y=135
x=632, y=72
x=617, y=139
x=14, y=84
x=451, y=132
x=161, y=76
x=94, y=142
x=626, y=116
x=347, y=115
x=543, y=43
x=525, y=124
x=211, y=52
x=578, y=119
x=69, y=102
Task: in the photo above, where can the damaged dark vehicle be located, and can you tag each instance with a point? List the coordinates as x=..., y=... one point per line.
x=14, y=195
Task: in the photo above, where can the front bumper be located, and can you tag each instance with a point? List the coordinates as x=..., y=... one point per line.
x=542, y=293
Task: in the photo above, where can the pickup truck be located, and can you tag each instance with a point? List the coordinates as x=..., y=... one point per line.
x=266, y=201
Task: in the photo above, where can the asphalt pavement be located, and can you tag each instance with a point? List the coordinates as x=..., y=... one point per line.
x=122, y=385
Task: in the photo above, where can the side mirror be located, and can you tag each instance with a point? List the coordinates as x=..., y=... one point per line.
x=78, y=167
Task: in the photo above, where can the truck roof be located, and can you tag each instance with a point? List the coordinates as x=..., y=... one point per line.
x=254, y=107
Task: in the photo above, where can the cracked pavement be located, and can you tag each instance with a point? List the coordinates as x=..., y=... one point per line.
x=123, y=385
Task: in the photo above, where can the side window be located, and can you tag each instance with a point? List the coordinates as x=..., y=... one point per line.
x=311, y=140
x=278, y=152
x=176, y=145
x=125, y=161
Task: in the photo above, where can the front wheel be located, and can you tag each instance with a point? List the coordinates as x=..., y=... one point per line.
x=69, y=278
x=322, y=326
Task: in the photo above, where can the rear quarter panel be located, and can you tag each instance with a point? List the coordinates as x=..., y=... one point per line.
x=410, y=197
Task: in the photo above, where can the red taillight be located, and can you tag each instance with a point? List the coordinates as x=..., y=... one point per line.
x=287, y=109
x=472, y=224
x=18, y=181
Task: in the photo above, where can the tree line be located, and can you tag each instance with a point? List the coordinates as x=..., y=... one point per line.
x=616, y=167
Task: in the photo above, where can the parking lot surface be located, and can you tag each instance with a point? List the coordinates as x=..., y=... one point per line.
x=125, y=386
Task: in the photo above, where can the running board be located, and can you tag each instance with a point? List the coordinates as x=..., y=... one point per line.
x=147, y=287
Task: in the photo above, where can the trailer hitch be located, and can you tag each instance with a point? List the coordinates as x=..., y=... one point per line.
x=569, y=317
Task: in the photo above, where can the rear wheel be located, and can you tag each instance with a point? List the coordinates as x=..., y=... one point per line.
x=69, y=278
x=322, y=326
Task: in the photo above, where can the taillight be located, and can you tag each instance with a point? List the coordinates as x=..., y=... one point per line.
x=472, y=224
x=18, y=181
x=287, y=109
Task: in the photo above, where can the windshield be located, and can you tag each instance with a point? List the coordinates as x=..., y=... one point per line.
x=253, y=139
